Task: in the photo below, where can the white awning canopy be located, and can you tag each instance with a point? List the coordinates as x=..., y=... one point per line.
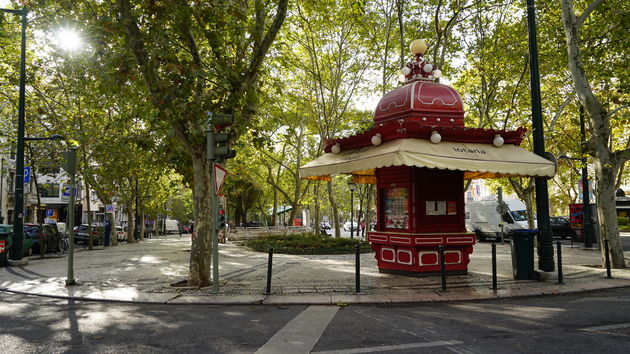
x=476, y=160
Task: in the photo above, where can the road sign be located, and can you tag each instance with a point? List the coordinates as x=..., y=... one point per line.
x=27, y=174
x=502, y=208
x=49, y=212
x=109, y=208
x=219, y=177
x=65, y=195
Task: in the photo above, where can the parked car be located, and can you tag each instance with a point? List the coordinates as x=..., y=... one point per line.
x=324, y=225
x=81, y=234
x=346, y=226
x=45, y=237
x=186, y=229
x=121, y=234
x=561, y=227
x=27, y=243
x=171, y=226
x=251, y=224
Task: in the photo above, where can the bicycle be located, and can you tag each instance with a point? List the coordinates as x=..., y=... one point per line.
x=64, y=244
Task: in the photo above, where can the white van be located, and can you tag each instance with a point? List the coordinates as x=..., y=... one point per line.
x=171, y=226
x=484, y=219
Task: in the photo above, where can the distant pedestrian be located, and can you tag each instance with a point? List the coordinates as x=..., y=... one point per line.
x=108, y=231
x=192, y=230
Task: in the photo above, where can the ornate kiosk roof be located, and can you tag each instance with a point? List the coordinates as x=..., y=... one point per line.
x=423, y=109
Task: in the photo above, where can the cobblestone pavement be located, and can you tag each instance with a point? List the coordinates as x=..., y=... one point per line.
x=146, y=271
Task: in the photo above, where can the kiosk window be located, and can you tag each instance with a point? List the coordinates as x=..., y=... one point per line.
x=396, y=211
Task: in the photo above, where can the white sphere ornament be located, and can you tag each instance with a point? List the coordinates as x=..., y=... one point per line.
x=437, y=73
x=428, y=68
x=377, y=140
x=336, y=149
x=419, y=46
x=498, y=140
x=406, y=70
x=435, y=137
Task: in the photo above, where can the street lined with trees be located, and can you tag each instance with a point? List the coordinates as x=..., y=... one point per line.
x=134, y=93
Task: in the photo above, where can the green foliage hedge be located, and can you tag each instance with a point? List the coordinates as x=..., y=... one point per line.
x=625, y=222
x=306, y=243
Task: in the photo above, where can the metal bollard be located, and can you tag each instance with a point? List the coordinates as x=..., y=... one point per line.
x=269, y=263
x=442, y=267
x=560, y=277
x=494, y=266
x=608, y=274
x=357, y=265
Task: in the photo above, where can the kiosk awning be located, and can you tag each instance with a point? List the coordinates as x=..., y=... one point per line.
x=477, y=160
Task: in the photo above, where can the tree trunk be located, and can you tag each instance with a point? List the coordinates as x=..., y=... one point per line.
x=142, y=226
x=316, y=215
x=368, y=215
x=113, y=234
x=400, y=4
x=607, y=214
x=130, y=226
x=201, y=250
x=89, y=212
x=606, y=163
x=333, y=204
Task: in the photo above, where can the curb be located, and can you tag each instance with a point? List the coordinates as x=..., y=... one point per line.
x=339, y=299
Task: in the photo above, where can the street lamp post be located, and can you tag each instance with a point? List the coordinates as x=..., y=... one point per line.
x=71, y=167
x=545, y=248
x=18, y=212
x=351, y=186
x=586, y=202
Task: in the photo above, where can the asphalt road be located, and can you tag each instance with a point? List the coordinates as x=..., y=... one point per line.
x=587, y=323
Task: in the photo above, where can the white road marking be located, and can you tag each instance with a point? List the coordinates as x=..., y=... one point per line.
x=385, y=348
x=301, y=333
x=606, y=328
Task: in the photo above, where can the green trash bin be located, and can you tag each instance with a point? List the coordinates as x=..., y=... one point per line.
x=523, y=254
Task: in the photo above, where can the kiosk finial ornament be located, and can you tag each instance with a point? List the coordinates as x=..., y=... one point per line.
x=419, y=69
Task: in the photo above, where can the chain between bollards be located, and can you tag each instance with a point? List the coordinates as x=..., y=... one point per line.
x=608, y=274
x=357, y=265
x=269, y=264
x=494, y=266
x=442, y=267
x=559, y=249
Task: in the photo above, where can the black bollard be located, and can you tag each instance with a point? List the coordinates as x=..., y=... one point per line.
x=442, y=267
x=494, y=266
x=560, y=277
x=269, y=263
x=357, y=265
x=608, y=274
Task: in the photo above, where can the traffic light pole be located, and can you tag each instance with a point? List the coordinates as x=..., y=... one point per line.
x=214, y=232
x=213, y=204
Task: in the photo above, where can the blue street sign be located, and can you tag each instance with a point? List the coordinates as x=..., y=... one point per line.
x=27, y=174
x=49, y=212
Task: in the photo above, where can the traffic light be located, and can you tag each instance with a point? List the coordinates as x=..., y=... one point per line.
x=70, y=163
x=221, y=215
x=220, y=136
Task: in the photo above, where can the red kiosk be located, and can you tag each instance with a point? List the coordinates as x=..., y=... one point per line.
x=418, y=154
